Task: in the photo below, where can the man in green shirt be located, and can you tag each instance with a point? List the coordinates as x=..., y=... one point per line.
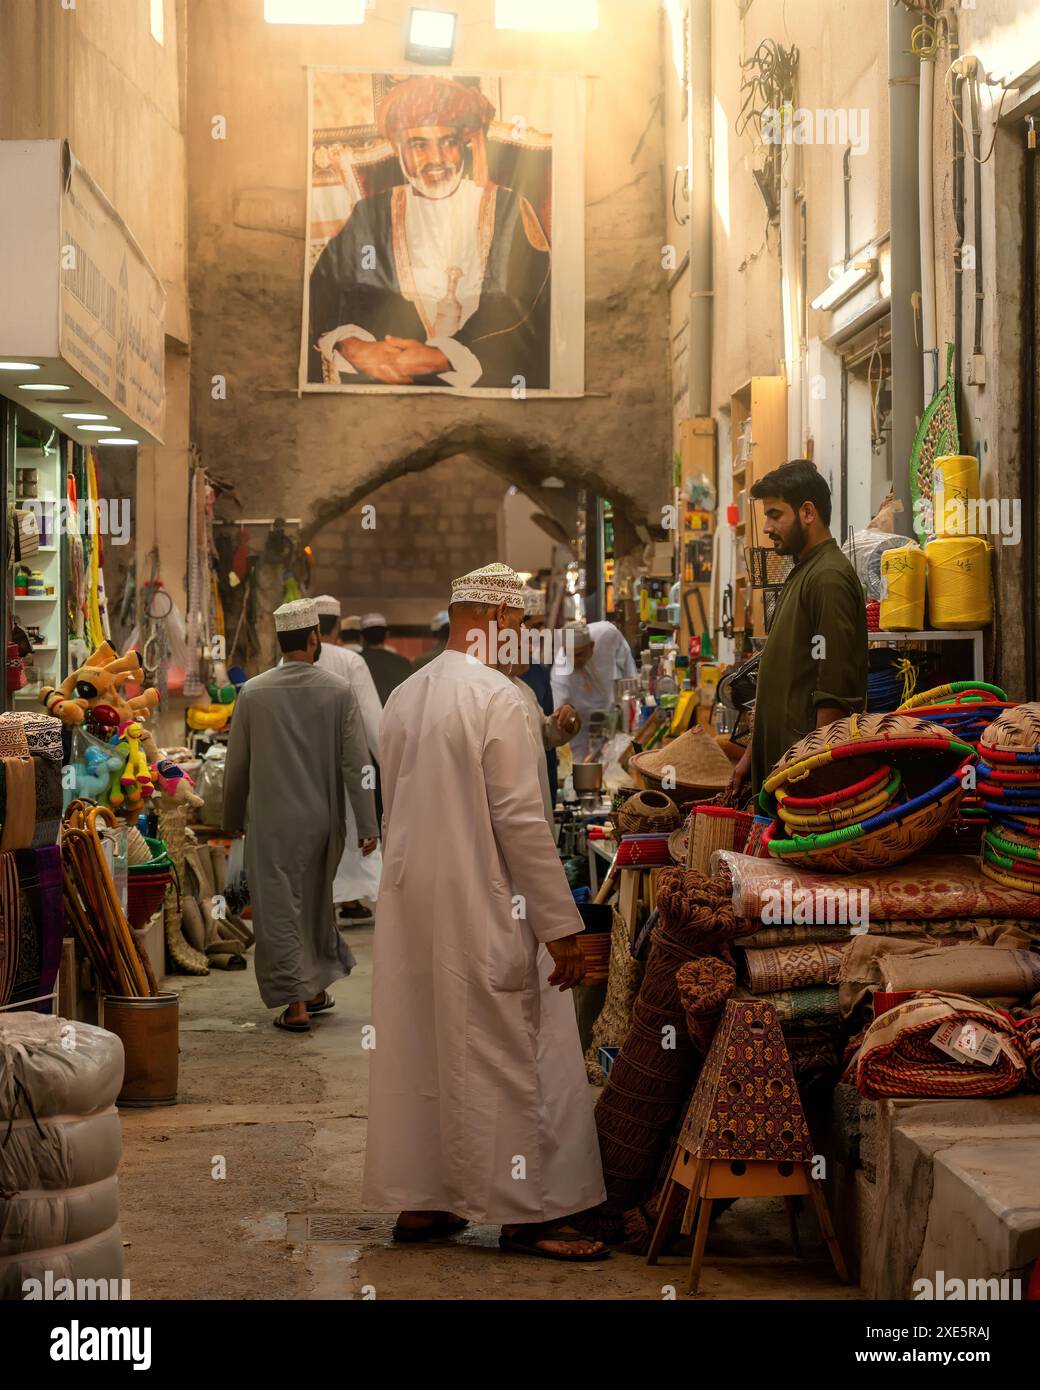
x=814, y=666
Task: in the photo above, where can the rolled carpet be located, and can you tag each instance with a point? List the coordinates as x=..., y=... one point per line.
x=1029, y=1040
x=897, y=1057
x=793, y=967
x=818, y=1004
x=979, y=971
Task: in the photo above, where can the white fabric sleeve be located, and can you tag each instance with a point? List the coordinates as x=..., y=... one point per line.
x=524, y=840
x=327, y=344
x=625, y=661
x=368, y=700
x=466, y=368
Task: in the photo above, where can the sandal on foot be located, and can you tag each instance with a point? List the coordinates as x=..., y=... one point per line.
x=441, y=1226
x=327, y=1002
x=525, y=1242
x=282, y=1022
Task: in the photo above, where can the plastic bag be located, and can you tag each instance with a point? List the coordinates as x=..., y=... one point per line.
x=864, y=551
x=210, y=785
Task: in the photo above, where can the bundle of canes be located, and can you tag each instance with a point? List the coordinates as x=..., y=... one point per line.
x=650, y=1080
x=92, y=906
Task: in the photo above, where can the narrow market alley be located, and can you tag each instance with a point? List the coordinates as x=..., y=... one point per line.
x=287, y=1116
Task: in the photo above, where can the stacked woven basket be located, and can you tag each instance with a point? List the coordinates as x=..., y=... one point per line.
x=1009, y=788
x=691, y=767
x=864, y=792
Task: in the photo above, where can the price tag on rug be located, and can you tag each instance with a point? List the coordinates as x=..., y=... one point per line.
x=967, y=1042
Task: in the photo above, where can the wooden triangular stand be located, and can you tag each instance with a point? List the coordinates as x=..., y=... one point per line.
x=744, y=1135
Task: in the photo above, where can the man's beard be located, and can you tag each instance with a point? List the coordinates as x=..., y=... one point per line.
x=436, y=192
x=795, y=542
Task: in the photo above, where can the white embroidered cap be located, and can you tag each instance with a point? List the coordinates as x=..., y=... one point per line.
x=495, y=583
x=534, y=603
x=352, y=622
x=581, y=636
x=327, y=606
x=440, y=619
x=295, y=616
x=372, y=620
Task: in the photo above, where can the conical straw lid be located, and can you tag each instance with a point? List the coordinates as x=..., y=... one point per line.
x=693, y=759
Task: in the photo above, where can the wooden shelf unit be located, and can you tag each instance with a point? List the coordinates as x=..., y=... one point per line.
x=696, y=459
x=758, y=417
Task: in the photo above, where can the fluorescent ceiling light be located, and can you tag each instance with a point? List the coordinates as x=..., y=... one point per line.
x=19, y=366
x=846, y=283
x=431, y=36
x=119, y=441
x=314, y=11
x=81, y=415
x=41, y=386
x=546, y=14
x=553, y=482
x=98, y=429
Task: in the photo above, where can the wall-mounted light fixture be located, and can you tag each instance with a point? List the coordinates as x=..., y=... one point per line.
x=845, y=283
x=431, y=36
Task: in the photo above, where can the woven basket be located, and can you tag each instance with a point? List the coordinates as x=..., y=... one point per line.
x=1017, y=731
x=646, y=813
x=880, y=842
x=952, y=693
x=595, y=950
x=716, y=828
x=694, y=762
x=144, y=895
x=844, y=813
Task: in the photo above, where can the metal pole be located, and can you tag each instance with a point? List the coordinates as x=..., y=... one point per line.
x=907, y=364
x=701, y=203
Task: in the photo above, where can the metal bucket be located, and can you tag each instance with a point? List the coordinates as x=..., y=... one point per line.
x=149, y=1032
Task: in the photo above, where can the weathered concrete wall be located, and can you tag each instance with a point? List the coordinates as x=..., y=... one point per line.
x=317, y=455
x=428, y=529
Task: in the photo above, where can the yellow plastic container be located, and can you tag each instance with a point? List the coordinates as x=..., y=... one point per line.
x=902, y=589
x=960, y=589
x=955, y=487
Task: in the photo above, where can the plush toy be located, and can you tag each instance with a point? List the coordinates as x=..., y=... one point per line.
x=174, y=782
x=94, y=771
x=97, y=684
x=133, y=783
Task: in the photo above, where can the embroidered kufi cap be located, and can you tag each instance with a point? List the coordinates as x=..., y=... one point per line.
x=495, y=583
x=534, y=603
x=327, y=606
x=372, y=620
x=295, y=616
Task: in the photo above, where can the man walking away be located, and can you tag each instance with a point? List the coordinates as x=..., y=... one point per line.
x=350, y=633
x=479, y=1108
x=440, y=627
x=358, y=875
x=297, y=751
x=814, y=666
x=389, y=668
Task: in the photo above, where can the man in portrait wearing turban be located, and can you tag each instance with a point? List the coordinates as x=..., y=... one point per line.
x=444, y=279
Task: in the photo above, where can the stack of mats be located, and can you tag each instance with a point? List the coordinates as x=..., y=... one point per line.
x=965, y=709
x=1009, y=787
x=864, y=792
x=802, y=967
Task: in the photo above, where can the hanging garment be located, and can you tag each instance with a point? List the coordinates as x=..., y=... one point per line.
x=478, y=1102
x=297, y=751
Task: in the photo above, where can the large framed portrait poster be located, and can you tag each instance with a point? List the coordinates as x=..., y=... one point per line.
x=445, y=234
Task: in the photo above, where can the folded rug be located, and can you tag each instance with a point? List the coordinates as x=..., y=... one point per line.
x=872, y=962
x=898, y=1058
x=978, y=971
x=933, y=886
x=816, y=1005
x=793, y=967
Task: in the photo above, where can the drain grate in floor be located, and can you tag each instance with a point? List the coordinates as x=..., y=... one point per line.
x=326, y=1227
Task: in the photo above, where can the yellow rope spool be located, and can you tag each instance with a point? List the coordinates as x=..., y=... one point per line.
x=902, y=589
x=959, y=589
x=955, y=488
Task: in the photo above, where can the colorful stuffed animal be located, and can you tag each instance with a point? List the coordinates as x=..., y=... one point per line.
x=209, y=716
x=134, y=781
x=174, y=782
x=94, y=771
x=97, y=683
